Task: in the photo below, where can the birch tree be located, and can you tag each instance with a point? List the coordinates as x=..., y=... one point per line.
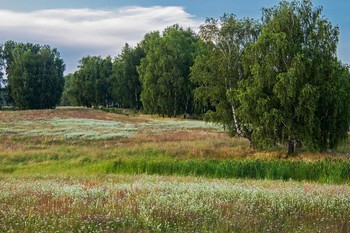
x=218, y=69
x=297, y=92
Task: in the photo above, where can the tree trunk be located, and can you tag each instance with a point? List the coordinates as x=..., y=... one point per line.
x=136, y=99
x=237, y=126
x=186, y=107
x=291, y=147
x=175, y=103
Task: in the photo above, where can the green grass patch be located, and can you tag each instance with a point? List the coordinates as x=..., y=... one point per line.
x=151, y=161
x=7, y=169
x=326, y=171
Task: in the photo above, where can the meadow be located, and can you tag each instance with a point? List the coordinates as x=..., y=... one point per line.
x=85, y=170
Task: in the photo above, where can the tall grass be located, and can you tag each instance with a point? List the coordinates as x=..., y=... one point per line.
x=170, y=204
x=327, y=171
x=152, y=161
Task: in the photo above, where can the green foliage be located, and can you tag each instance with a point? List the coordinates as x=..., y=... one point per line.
x=3, y=97
x=297, y=92
x=125, y=83
x=217, y=69
x=164, y=71
x=4, y=88
x=101, y=82
x=102, y=93
x=35, y=75
x=90, y=84
x=67, y=95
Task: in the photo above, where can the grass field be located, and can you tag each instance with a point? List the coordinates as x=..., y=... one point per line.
x=84, y=170
x=170, y=204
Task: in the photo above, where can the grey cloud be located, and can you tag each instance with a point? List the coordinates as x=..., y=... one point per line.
x=80, y=32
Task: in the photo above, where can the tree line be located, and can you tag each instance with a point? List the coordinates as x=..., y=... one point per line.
x=276, y=81
x=154, y=75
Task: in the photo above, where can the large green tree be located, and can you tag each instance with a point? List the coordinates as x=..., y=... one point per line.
x=125, y=81
x=164, y=71
x=218, y=68
x=35, y=75
x=297, y=92
x=89, y=85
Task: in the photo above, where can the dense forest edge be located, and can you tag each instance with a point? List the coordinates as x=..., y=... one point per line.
x=277, y=82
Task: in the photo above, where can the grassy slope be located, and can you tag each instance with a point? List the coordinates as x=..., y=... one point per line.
x=85, y=141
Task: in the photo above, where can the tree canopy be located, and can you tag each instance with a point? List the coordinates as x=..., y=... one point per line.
x=217, y=69
x=297, y=92
x=125, y=82
x=34, y=73
x=90, y=84
x=165, y=70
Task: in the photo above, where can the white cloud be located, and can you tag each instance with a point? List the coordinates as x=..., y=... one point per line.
x=81, y=32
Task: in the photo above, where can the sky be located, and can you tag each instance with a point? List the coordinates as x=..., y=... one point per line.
x=78, y=28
